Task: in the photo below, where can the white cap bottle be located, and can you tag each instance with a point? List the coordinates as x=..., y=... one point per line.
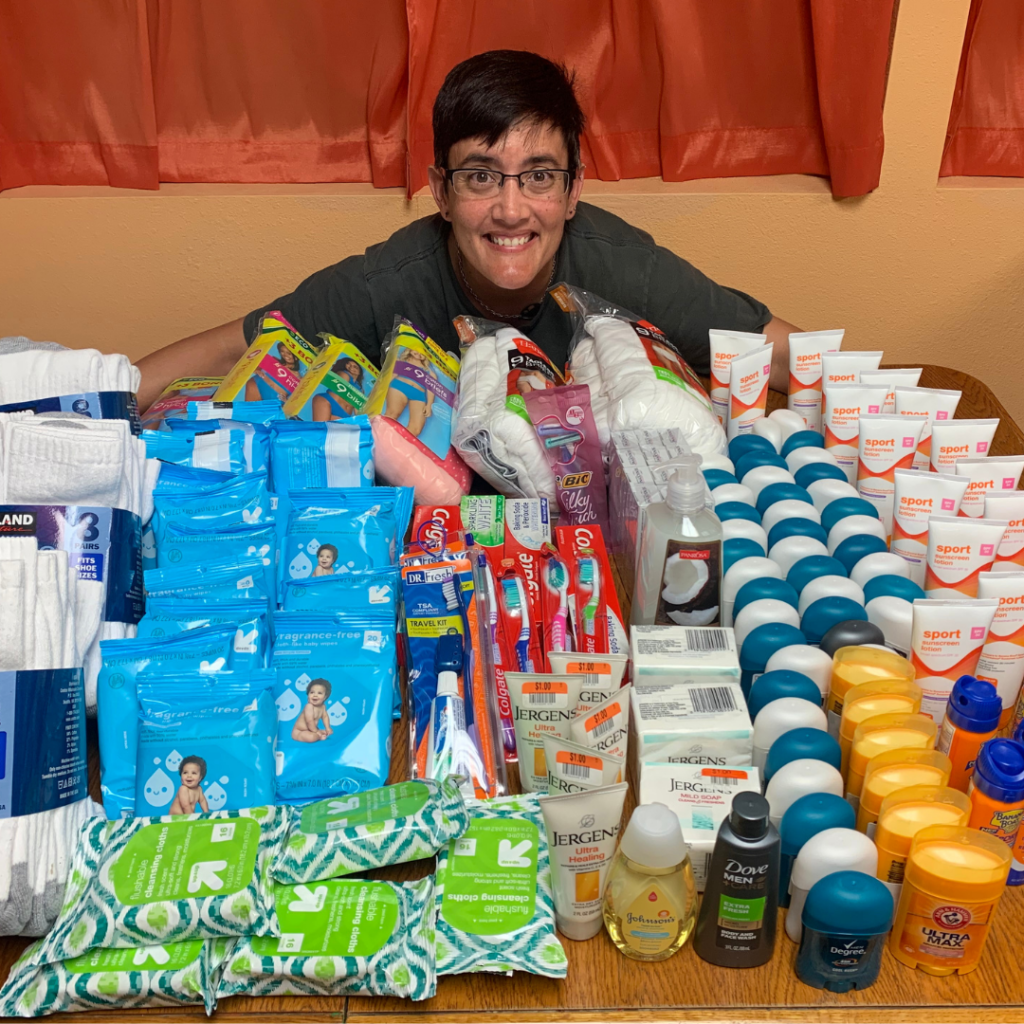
x=834, y=849
x=800, y=457
x=797, y=779
x=743, y=571
x=733, y=528
x=824, y=492
x=881, y=563
x=732, y=492
x=780, y=716
x=788, y=421
x=770, y=431
x=854, y=526
x=895, y=618
x=760, y=477
x=789, y=508
x=788, y=551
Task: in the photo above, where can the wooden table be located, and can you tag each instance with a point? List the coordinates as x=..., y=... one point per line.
x=604, y=985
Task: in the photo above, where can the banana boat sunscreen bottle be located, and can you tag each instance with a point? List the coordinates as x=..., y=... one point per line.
x=954, y=878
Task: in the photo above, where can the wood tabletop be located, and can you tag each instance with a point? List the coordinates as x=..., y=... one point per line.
x=604, y=985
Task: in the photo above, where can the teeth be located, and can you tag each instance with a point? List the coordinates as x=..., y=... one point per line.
x=509, y=242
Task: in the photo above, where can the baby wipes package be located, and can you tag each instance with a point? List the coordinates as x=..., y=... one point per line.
x=338, y=938
x=332, y=454
x=222, y=450
x=157, y=975
x=358, y=832
x=334, y=696
x=206, y=743
x=142, y=881
x=360, y=593
x=241, y=501
x=335, y=385
x=224, y=580
x=169, y=616
x=253, y=437
x=496, y=912
x=184, y=545
x=262, y=412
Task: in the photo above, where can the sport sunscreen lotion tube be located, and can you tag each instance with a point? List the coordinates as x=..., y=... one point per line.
x=959, y=551
x=933, y=406
x=946, y=643
x=986, y=476
x=960, y=439
x=725, y=347
x=892, y=379
x=884, y=445
x=1002, y=657
x=844, y=406
x=582, y=831
x=845, y=367
x=748, y=389
x=805, y=352
x=1008, y=505
x=916, y=497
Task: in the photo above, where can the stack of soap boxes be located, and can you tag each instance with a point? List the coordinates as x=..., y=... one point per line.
x=692, y=735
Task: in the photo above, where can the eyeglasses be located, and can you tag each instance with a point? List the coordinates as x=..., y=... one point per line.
x=480, y=183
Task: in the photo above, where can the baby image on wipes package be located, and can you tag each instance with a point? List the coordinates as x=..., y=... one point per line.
x=193, y=859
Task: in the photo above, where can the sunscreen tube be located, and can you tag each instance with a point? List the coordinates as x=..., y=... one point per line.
x=1008, y=505
x=960, y=439
x=542, y=705
x=1002, y=657
x=933, y=406
x=845, y=367
x=844, y=406
x=892, y=379
x=805, y=352
x=725, y=347
x=959, y=551
x=916, y=497
x=884, y=445
x=606, y=727
x=987, y=476
x=576, y=769
x=945, y=644
x=581, y=854
x=748, y=389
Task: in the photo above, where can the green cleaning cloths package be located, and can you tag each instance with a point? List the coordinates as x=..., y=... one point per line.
x=391, y=825
x=176, y=974
x=343, y=937
x=495, y=908
x=142, y=881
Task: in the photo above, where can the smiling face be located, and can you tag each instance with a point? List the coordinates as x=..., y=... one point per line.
x=191, y=776
x=508, y=242
x=316, y=694
x=325, y=558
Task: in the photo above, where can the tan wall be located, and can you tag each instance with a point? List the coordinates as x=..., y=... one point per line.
x=928, y=272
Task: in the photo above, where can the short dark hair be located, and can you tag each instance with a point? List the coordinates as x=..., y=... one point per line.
x=327, y=547
x=320, y=682
x=195, y=759
x=489, y=94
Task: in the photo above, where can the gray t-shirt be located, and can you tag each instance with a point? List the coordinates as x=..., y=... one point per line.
x=411, y=275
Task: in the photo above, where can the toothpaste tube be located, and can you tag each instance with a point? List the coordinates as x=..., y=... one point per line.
x=845, y=368
x=959, y=551
x=884, y=445
x=960, y=439
x=805, y=352
x=725, y=347
x=933, y=406
x=916, y=497
x=985, y=477
x=748, y=389
x=1008, y=505
x=892, y=379
x=1002, y=657
x=844, y=406
x=946, y=643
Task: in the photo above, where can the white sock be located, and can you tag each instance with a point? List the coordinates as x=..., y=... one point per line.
x=12, y=615
x=89, y=597
x=24, y=549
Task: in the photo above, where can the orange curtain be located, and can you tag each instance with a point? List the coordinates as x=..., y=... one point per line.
x=986, y=122
x=133, y=92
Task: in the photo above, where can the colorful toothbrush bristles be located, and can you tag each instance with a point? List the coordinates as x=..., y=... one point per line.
x=557, y=580
x=515, y=605
x=589, y=577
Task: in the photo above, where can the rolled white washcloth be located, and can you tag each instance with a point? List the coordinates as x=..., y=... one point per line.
x=35, y=849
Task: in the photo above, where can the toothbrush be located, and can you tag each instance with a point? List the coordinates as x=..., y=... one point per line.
x=514, y=595
x=556, y=580
x=508, y=731
x=589, y=576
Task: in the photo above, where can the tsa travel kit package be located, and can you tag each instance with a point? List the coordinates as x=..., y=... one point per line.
x=788, y=641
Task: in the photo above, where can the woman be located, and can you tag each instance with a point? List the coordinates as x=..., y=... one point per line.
x=262, y=385
x=408, y=394
x=330, y=406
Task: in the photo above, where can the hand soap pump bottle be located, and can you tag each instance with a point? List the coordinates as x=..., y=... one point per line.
x=679, y=571
x=739, y=911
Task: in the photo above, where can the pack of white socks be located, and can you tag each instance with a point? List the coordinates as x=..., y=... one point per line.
x=47, y=617
x=33, y=370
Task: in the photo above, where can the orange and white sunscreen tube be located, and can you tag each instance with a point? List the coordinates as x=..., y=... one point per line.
x=931, y=405
x=805, y=352
x=748, y=389
x=893, y=379
x=959, y=551
x=845, y=368
x=844, y=406
x=1008, y=505
x=945, y=644
x=996, y=475
x=725, y=347
x=953, y=440
x=884, y=445
x=1002, y=657
x=916, y=497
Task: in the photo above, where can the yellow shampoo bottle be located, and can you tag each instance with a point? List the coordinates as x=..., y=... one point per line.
x=903, y=814
x=895, y=770
x=886, y=697
x=954, y=878
x=881, y=733
x=852, y=666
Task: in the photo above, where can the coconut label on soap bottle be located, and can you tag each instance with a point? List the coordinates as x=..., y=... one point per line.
x=689, y=584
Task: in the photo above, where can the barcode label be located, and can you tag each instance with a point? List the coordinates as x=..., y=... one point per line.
x=712, y=700
x=727, y=782
x=543, y=698
x=576, y=771
x=707, y=640
x=602, y=727
x=589, y=679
